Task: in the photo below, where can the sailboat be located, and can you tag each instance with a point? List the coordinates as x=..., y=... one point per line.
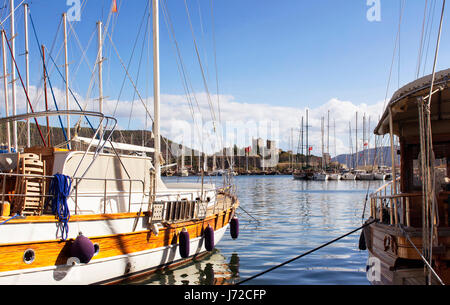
x=95, y=216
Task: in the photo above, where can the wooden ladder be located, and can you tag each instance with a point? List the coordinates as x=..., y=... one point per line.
x=33, y=188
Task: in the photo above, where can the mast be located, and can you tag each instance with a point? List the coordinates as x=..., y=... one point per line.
x=27, y=68
x=350, y=160
x=5, y=88
x=364, y=140
x=323, y=142
x=156, y=88
x=302, y=147
x=100, y=73
x=66, y=64
x=356, y=143
x=45, y=93
x=307, y=138
x=13, y=73
x=328, y=134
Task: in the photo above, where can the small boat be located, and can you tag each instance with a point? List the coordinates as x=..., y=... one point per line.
x=348, y=177
x=379, y=176
x=364, y=176
x=334, y=177
x=299, y=176
x=321, y=176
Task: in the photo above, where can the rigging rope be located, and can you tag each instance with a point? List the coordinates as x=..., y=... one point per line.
x=49, y=82
x=307, y=253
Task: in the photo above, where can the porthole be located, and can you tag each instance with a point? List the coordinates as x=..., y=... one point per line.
x=29, y=256
x=96, y=249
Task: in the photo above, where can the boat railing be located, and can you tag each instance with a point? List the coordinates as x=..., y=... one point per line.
x=186, y=205
x=189, y=205
x=105, y=194
x=393, y=208
x=45, y=180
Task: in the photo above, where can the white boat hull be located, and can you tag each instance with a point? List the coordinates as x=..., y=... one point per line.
x=106, y=270
x=349, y=177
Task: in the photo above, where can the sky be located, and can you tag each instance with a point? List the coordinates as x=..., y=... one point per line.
x=262, y=61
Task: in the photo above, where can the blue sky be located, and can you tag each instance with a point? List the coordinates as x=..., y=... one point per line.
x=288, y=53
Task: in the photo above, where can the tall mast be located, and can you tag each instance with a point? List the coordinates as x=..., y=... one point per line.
x=356, y=143
x=303, y=146
x=323, y=142
x=27, y=68
x=350, y=160
x=328, y=133
x=66, y=64
x=100, y=73
x=307, y=138
x=5, y=88
x=156, y=85
x=44, y=69
x=13, y=73
x=364, y=140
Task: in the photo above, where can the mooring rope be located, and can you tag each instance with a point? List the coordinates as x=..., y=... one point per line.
x=307, y=253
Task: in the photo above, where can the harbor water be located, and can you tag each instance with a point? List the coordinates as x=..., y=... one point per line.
x=288, y=218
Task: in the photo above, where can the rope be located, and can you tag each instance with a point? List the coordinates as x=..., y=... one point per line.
x=15, y=216
x=49, y=81
x=60, y=189
x=307, y=253
x=423, y=258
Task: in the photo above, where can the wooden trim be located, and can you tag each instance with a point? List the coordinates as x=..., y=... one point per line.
x=54, y=253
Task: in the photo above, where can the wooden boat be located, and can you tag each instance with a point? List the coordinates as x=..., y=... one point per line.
x=299, y=176
x=93, y=216
x=410, y=242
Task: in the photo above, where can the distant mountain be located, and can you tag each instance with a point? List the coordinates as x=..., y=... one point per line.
x=367, y=157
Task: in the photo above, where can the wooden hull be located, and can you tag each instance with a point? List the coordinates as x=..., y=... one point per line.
x=122, y=253
x=299, y=176
x=397, y=261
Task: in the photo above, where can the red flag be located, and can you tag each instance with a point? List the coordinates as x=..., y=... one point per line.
x=114, y=6
x=248, y=149
x=310, y=149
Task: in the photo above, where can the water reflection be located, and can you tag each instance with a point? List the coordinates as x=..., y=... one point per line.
x=293, y=218
x=210, y=270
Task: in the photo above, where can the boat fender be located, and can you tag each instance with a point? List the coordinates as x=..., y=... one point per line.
x=83, y=249
x=234, y=228
x=184, y=243
x=362, y=242
x=209, y=238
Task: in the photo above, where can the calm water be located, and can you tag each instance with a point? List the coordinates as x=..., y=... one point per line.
x=293, y=217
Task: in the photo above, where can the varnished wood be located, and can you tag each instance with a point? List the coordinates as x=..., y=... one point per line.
x=55, y=252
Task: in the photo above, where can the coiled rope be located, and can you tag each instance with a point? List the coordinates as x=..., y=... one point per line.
x=307, y=253
x=60, y=189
